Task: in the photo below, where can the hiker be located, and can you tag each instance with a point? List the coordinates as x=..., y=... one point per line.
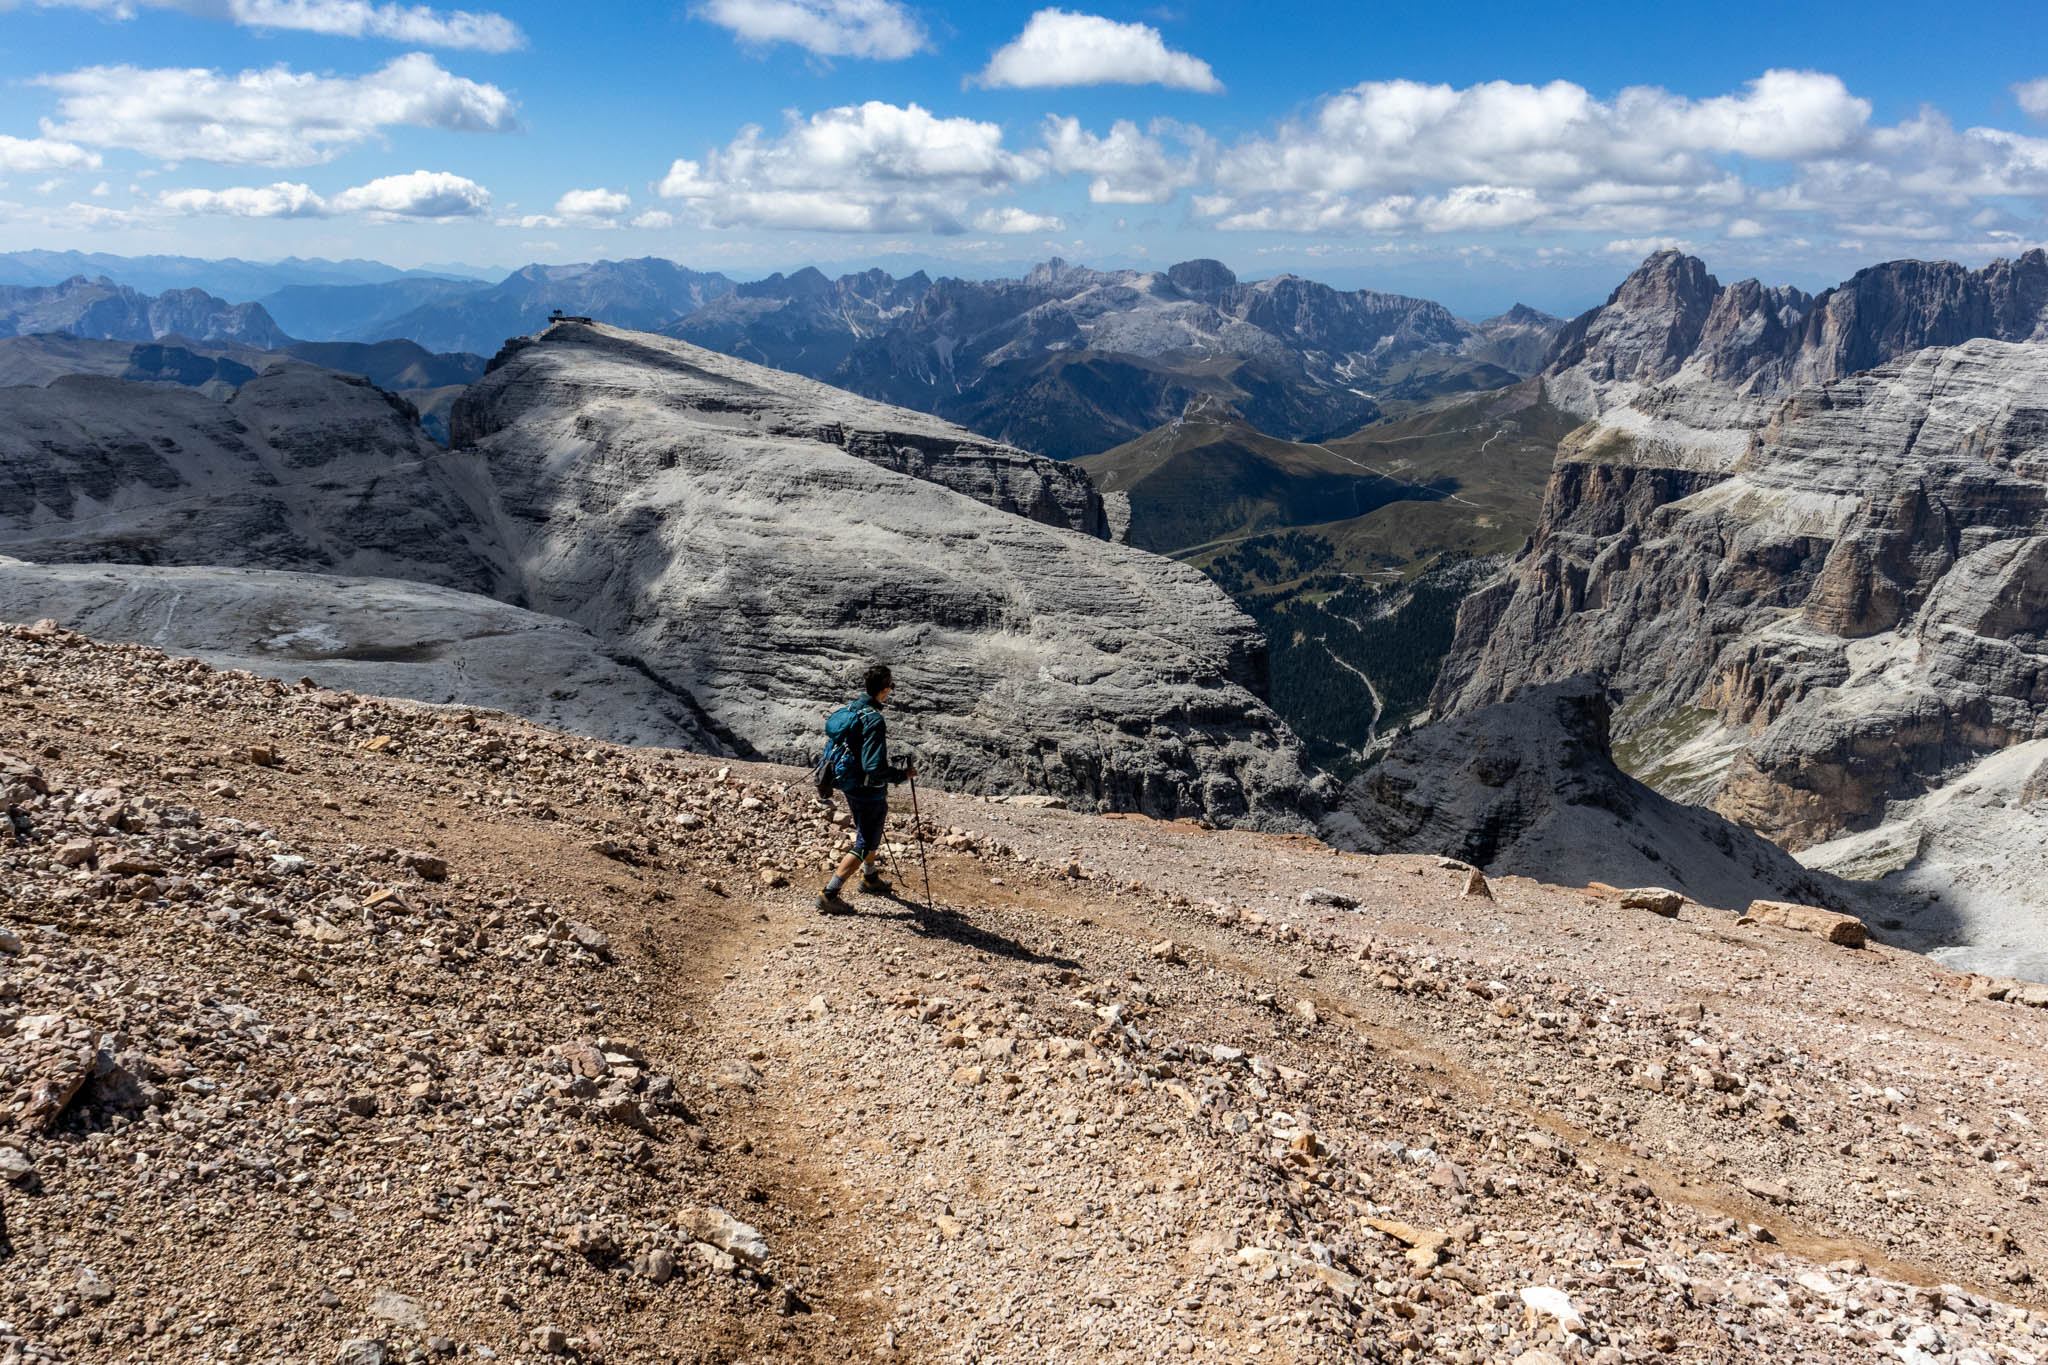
x=862, y=770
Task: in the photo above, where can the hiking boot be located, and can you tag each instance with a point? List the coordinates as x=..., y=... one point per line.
x=875, y=886
x=831, y=903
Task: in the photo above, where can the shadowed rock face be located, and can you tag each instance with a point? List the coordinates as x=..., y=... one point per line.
x=1530, y=787
x=757, y=539
x=300, y=469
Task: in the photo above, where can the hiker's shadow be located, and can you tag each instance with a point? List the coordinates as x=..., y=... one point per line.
x=957, y=928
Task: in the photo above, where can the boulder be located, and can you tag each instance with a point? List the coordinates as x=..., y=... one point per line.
x=1654, y=899
x=1831, y=925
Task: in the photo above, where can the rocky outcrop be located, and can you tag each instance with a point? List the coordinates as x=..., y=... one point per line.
x=737, y=395
x=374, y=636
x=732, y=527
x=1824, y=637
x=1530, y=787
x=300, y=469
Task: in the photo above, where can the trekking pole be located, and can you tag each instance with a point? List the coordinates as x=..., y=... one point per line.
x=917, y=823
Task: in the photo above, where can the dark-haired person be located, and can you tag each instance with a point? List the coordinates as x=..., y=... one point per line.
x=864, y=774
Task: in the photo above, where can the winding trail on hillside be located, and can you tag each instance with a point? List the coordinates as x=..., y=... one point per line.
x=1372, y=727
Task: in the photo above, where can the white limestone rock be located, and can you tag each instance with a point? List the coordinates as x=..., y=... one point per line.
x=708, y=515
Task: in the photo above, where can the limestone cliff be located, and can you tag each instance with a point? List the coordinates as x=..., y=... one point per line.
x=1832, y=638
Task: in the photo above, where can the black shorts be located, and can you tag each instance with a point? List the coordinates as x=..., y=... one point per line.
x=870, y=813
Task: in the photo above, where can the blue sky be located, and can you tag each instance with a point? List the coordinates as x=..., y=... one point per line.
x=1479, y=155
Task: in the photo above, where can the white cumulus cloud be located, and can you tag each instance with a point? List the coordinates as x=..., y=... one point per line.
x=281, y=200
x=883, y=30
x=598, y=203
x=272, y=117
x=1127, y=166
x=652, y=218
x=2033, y=96
x=44, y=154
x=1063, y=47
x=415, y=194
x=1404, y=156
x=1009, y=220
x=870, y=167
x=414, y=25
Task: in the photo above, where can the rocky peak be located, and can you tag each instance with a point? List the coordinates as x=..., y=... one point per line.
x=1058, y=273
x=1522, y=315
x=1647, y=328
x=810, y=282
x=1671, y=325
x=1201, y=276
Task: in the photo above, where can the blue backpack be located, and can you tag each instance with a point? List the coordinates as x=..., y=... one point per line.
x=839, y=765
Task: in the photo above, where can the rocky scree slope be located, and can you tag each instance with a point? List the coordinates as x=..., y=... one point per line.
x=386, y=1032
x=756, y=538
x=1827, y=638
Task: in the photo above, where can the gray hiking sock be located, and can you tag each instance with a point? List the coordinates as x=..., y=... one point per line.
x=832, y=887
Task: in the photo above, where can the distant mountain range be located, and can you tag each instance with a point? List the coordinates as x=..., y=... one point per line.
x=1065, y=361
x=1068, y=360
x=230, y=277
x=99, y=309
